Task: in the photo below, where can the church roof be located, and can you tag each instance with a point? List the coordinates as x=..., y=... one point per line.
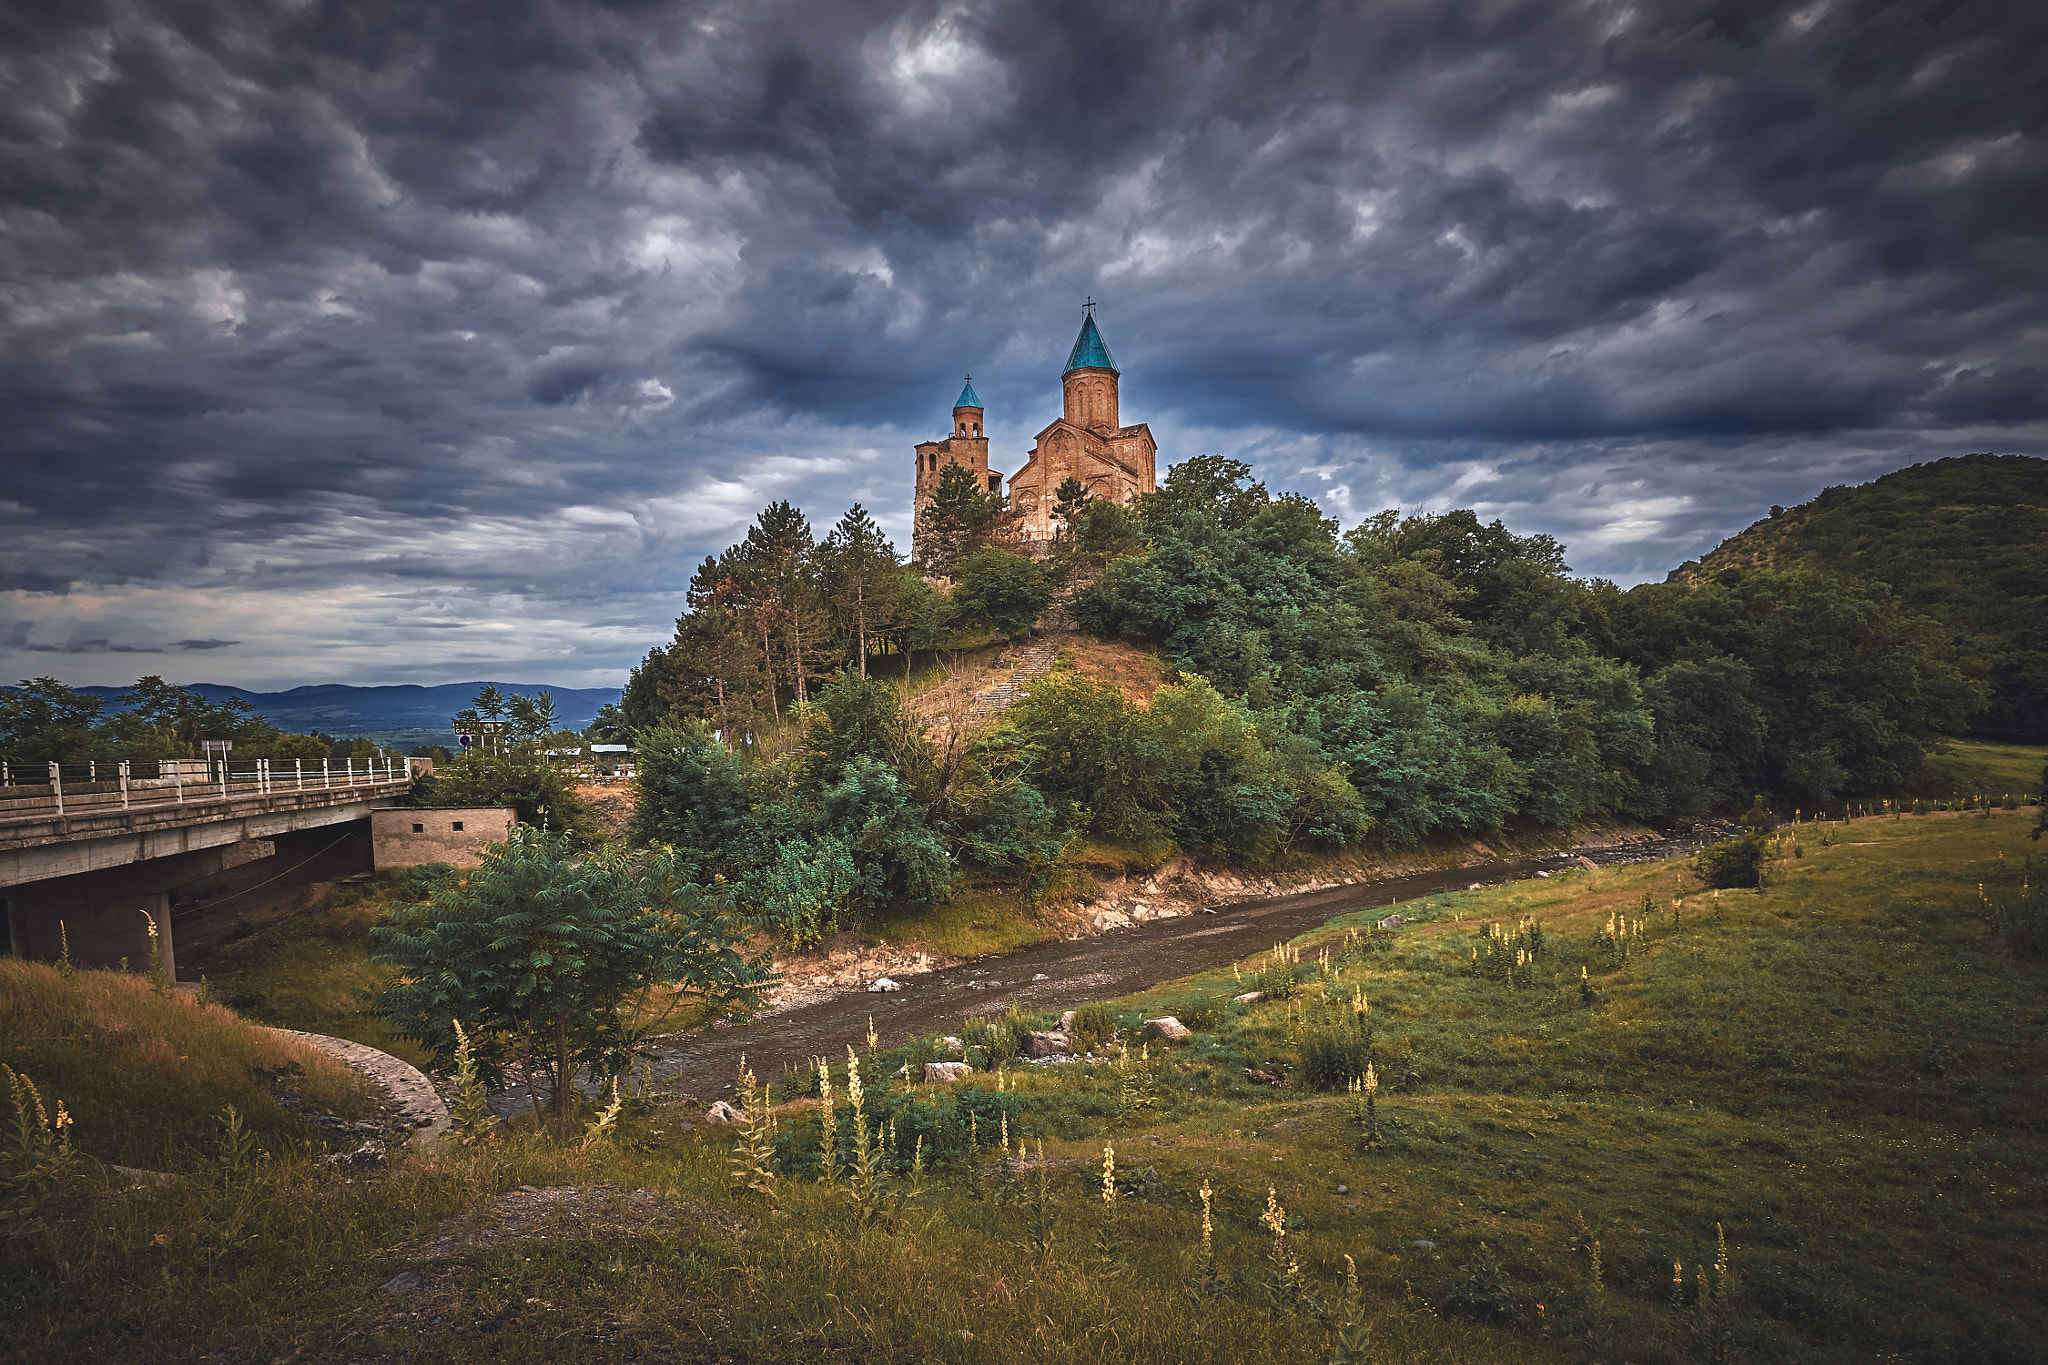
x=1089, y=352
x=968, y=397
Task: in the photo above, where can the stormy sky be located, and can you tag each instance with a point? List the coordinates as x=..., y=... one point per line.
x=399, y=342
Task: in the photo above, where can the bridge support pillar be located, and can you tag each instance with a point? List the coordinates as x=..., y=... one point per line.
x=101, y=913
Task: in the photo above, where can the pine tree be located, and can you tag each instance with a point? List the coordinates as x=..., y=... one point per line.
x=1070, y=499
x=861, y=579
x=958, y=520
x=781, y=556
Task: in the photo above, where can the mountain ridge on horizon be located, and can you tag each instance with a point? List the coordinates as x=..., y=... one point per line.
x=414, y=711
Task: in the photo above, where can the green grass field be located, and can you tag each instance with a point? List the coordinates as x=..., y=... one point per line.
x=1843, y=1074
x=1982, y=767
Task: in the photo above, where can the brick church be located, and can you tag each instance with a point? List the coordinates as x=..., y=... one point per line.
x=1087, y=442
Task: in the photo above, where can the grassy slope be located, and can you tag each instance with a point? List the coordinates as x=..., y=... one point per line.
x=311, y=970
x=146, y=1076
x=1844, y=1072
x=1983, y=768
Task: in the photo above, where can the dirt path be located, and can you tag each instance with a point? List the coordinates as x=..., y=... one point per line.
x=1052, y=976
x=1026, y=662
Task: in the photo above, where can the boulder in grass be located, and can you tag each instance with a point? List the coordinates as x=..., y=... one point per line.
x=1067, y=1022
x=883, y=984
x=1047, y=1044
x=1168, y=1028
x=724, y=1115
x=1248, y=998
x=952, y=1044
x=941, y=1073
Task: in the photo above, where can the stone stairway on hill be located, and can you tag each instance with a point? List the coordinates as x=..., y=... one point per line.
x=1030, y=661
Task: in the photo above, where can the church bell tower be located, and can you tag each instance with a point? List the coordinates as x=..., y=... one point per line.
x=1090, y=381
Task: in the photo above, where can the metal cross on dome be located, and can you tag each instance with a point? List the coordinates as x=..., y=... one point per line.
x=1090, y=305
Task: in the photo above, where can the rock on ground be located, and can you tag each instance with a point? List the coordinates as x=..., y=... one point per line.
x=725, y=1115
x=939, y=1073
x=1037, y=1044
x=1167, y=1027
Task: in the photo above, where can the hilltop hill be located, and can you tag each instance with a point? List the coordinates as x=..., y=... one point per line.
x=1963, y=540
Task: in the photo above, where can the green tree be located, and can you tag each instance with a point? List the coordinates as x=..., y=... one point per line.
x=532, y=719
x=1100, y=534
x=186, y=718
x=700, y=798
x=43, y=720
x=781, y=579
x=1070, y=499
x=308, y=749
x=1000, y=591
x=609, y=725
x=556, y=961
x=1215, y=488
x=958, y=520
x=862, y=580
x=521, y=779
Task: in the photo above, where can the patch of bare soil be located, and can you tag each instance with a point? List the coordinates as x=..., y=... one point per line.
x=1136, y=672
x=611, y=806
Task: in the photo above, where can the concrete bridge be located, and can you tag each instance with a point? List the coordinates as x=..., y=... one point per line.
x=87, y=850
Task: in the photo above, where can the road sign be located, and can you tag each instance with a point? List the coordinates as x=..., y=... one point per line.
x=463, y=740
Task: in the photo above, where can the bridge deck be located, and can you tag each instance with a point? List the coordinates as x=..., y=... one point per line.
x=45, y=813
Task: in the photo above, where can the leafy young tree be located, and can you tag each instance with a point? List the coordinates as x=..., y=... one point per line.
x=307, y=749
x=553, y=961
x=701, y=799
x=959, y=519
x=1100, y=533
x=1000, y=591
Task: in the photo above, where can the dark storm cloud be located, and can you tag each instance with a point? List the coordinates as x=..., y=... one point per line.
x=93, y=647
x=390, y=339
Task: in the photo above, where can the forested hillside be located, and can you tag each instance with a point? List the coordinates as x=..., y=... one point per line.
x=1411, y=677
x=1963, y=540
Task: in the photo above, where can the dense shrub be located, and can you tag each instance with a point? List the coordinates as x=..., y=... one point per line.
x=1732, y=862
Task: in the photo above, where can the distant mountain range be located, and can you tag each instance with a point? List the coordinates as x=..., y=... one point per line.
x=406, y=714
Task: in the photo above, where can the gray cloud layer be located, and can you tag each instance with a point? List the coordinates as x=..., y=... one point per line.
x=382, y=342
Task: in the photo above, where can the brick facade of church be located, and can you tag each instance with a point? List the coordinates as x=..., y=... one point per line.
x=1088, y=442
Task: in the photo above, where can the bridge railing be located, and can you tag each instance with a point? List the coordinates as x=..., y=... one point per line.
x=41, y=790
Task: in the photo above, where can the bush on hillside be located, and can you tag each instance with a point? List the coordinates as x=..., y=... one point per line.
x=1732, y=862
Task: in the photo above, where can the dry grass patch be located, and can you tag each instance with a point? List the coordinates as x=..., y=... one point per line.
x=146, y=1075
